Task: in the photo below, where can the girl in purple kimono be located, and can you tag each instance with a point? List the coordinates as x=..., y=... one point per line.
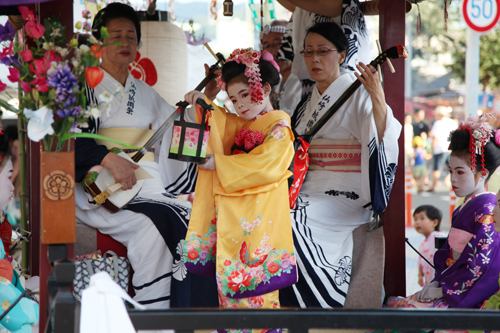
x=468, y=264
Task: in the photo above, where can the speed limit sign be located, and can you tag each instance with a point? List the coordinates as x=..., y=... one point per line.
x=481, y=15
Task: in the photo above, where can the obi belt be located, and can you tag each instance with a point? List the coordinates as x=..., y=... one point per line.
x=335, y=155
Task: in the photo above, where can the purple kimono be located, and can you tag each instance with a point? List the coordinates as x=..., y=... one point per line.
x=473, y=278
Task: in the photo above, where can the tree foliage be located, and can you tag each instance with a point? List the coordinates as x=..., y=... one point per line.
x=489, y=62
x=433, y=42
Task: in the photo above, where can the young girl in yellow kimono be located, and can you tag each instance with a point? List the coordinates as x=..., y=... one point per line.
x=240, y=229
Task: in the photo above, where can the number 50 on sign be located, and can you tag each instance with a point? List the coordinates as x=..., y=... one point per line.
x=480, y=15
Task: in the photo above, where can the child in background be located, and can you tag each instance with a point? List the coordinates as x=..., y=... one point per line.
x=240, y=230
x=427, y=221
x=419, y=168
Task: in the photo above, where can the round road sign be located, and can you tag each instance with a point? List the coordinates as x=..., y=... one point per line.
x=480, y=15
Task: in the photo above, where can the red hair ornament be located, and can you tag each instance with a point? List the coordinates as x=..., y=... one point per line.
x=480, y=133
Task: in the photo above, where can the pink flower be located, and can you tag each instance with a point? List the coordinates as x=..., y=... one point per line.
x=245, y=225
x=238, y=279
x=26, y=55
x=468, y=283
x=25, y=86
x=34, y=29
x=14, y=74
x=26, y=13
x=7, y=51
x=41, y=84
x=257, y=272
x=285, y=255
x=3, y=86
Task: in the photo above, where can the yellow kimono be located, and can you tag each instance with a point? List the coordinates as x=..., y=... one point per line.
x=240, y=229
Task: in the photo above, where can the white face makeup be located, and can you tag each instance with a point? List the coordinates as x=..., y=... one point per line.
x=6, y=187
x=463, y=181
x=496, y=214
x=240, y=95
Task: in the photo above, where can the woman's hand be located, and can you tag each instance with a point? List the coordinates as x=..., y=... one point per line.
x=430, y=291
x=212, y=89
x=209, y=163
x=192, y=96
x=121, y=169
x=373, y=86
x=370, y=80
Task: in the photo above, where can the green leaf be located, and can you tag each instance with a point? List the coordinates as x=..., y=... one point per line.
x=104, y=32
x=101, y=137
x=7, y=106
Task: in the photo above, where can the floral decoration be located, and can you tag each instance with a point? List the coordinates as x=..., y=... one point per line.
x=236, y=276
x=249, y=138
x=480, y=133
x=198, y=249
x=250, y=58
x=246, y=140
x=52, y=75
x=479, y=259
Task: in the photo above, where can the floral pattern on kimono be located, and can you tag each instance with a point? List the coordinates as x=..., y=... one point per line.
x=473, y=277
x=240, y=231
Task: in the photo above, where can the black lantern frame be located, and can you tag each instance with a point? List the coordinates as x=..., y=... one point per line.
x=184, y=126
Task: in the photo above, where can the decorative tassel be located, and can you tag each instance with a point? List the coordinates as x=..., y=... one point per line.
x=377, y=222
x=446, y=15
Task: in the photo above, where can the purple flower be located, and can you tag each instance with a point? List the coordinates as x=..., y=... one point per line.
x=64, y=81
x=71, y=112
x=285, y=264
x=203, y=255
x=7, y=32
x=9, y=61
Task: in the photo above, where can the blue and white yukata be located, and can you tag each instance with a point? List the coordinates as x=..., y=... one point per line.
x=350, y=177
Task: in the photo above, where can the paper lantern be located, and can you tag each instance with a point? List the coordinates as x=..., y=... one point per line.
x=162, y=59
x=190, y=140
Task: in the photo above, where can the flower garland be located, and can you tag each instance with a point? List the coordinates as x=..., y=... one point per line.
x=250, y=58
x=480, y=133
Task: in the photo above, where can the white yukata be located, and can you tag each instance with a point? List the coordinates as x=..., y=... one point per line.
x=347, y=164
x=137, y=105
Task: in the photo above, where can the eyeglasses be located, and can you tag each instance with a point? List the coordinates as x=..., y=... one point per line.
x=273, y=45
x=321, y=52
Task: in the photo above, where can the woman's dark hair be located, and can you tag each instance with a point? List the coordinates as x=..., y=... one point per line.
x=232, y=71
x=4, y=147
x=112, y=11
x=12, y=132
x=459, y=146
x=432, y=213
x=332, y=32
